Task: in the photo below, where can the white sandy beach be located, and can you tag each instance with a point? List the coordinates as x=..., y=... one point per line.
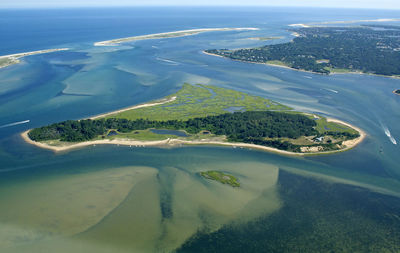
x=299, y=25
x=204, y=52
x=350, y=143
x=170, y=35
x=135, y=107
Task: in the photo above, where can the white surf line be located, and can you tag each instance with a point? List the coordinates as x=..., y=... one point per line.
x=15, y=123
x=389, y=135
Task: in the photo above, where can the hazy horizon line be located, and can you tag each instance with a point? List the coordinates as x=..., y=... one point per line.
x=188, y=6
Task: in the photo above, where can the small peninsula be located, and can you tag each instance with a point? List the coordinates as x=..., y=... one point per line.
x=174, y=34
x=204, y=115
x=369, y=49
x=221, y=177
x=7, y=60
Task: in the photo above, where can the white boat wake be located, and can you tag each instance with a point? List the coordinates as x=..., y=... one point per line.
x=335, y=91
x=168, y=61
x=15, y=123
x=389, y=135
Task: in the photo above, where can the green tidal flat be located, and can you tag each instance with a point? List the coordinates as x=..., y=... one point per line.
x=221, y=177
x=198, y=101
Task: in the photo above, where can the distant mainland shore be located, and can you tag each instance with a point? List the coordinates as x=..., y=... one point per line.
x=323, y=49
x=280, y=64
x=173, y=34
x=316, y=24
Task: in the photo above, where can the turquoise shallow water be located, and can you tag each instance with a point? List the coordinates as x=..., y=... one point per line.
x=157, y=190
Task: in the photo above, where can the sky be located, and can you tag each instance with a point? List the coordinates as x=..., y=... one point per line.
x=373, y=4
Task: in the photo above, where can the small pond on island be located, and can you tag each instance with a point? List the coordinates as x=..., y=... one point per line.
x=171, y=132
x=112, y=133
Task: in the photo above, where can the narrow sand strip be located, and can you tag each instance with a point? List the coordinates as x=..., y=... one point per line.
x=173, y=34
x=14, y=58
x=134, y=107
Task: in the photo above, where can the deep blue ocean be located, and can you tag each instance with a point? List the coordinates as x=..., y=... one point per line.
x=122, y=199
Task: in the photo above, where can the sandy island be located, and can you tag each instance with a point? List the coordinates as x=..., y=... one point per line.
x=7, y=60
x=173, y=34
x=396, y=92
x=349, y=144
x=179, y=142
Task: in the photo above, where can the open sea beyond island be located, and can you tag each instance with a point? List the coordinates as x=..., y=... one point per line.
x=109, y=198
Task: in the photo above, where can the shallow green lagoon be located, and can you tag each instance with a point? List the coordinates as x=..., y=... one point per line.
x=115, y=203
x=132, y=207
